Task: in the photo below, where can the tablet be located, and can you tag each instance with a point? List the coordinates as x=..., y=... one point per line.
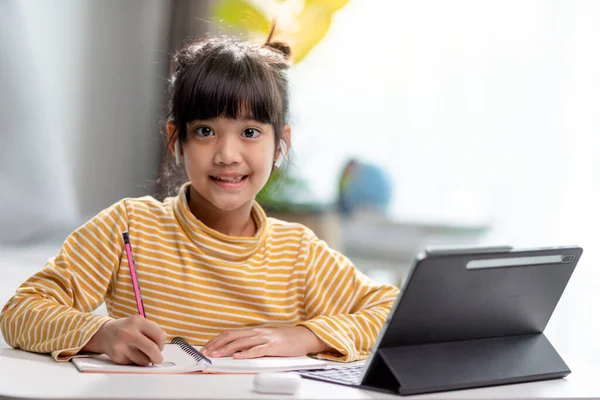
x=468, y=293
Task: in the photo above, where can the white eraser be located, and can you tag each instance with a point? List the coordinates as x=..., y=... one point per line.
x=277, y=382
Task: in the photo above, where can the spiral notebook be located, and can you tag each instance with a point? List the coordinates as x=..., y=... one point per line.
x=179, y=357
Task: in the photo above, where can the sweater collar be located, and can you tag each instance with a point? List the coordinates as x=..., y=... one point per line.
x=212, y=242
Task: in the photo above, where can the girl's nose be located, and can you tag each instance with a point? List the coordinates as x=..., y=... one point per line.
x=228, y=151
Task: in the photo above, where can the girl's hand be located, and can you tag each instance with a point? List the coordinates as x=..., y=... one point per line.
x=132, y=340
x=259, y=342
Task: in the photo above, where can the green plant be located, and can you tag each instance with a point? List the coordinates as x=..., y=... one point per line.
x=279, y=191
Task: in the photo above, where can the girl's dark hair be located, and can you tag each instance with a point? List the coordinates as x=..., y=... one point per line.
x=224, y=77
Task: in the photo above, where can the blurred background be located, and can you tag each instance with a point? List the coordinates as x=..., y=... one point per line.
x=415, y=123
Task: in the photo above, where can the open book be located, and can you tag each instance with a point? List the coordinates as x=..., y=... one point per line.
x=180, y=357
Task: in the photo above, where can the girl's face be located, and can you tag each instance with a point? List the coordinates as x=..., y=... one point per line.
x=228, y=161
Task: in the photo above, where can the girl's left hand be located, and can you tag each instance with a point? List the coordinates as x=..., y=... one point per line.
x=259, y=342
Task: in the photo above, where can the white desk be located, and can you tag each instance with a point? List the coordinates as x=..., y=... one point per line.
x=27, y=376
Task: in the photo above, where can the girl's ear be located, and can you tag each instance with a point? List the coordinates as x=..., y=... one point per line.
x=283, y=146
x=174, y=142
x=171, y=135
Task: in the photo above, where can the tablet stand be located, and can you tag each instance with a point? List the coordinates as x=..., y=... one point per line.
x=462, y=364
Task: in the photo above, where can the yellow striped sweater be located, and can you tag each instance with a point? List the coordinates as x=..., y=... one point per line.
x=195, y=282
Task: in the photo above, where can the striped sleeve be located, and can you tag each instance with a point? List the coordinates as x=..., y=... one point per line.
x=51, y=311
x=344, y=308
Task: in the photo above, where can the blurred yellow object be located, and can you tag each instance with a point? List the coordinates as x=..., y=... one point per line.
x=302, y=28
x=333, y=5
x=313, y=24
x=241, y=14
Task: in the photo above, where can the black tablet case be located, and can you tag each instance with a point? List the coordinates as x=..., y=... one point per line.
x=457, y=328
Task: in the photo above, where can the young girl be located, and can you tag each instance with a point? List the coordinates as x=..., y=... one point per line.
x=212, y=267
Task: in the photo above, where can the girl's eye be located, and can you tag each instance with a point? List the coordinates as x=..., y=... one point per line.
x=251, y=133
x=204, y=131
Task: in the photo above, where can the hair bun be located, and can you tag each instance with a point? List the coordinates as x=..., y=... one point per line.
x=281, y=47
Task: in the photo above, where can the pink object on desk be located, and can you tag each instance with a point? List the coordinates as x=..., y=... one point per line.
x=134, y=278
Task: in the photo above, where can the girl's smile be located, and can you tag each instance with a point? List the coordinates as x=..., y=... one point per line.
x=229, y=181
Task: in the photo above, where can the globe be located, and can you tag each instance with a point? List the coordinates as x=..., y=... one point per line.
x=364, y=186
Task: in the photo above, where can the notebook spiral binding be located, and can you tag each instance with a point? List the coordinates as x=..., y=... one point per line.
x=189, y=349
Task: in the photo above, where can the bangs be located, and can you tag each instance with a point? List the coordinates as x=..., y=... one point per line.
x=227, y=85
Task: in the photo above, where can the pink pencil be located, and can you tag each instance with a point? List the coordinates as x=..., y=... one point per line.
x=134, y=278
